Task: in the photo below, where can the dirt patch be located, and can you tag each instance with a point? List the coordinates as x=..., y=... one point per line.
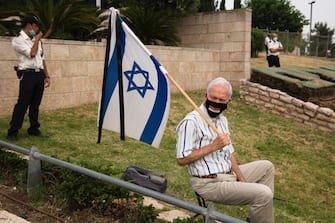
x=17, y=202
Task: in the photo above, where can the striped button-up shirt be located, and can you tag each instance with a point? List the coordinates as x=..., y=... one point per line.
x=194, y=133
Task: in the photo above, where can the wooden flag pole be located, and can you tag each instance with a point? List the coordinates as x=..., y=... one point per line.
x=196, y=107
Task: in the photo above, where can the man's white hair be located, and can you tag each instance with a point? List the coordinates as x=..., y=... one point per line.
x=220, y=81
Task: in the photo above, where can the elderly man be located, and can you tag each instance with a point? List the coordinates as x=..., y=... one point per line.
x=33, y=75
x=215, y=173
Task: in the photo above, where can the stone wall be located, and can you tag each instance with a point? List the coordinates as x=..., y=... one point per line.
x=76, y=70
x=283, y=104
x=227, y=31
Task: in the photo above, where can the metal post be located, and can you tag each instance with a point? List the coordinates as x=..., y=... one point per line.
x=297, y=45
x=287, y=35
x=210, y=209
x=327, y=46
x=310, y=26
x=34, y=181
x=317, y=45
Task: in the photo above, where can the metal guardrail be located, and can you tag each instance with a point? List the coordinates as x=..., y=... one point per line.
x=35, y=181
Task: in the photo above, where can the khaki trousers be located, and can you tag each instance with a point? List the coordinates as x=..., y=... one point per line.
x=257, y=192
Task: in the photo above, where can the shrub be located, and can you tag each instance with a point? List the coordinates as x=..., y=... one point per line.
x=257, y=42
x=11, y=164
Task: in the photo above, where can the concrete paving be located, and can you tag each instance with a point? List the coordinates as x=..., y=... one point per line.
x=166, y=211
x=6, y=217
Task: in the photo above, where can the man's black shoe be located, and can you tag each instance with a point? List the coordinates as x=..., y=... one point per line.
x=12, y=137
x=39, y=134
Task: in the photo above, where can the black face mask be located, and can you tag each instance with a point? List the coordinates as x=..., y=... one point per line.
x=211, y=113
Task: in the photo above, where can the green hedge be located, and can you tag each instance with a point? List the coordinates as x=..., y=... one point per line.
x=257, y=42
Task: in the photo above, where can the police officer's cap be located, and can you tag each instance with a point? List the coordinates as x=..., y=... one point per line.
x=30, y=19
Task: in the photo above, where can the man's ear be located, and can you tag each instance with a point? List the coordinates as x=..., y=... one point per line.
x=205, y=95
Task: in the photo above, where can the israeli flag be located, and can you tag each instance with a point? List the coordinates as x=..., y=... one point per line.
x=135, y=97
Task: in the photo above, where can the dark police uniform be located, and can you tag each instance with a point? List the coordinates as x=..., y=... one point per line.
x=31, y=73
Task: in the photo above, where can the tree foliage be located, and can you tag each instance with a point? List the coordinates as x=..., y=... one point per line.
x=321, y=41
x=73, y=18
x=64, y=19
x=257, y=42
x=206, y=6
x=150, y=25
x=275, y=15
x=322, y=29
x=8, y=20
x=172, y=7
x=154, y=22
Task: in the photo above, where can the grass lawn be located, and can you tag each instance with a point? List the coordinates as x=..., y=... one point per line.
x=304, y=157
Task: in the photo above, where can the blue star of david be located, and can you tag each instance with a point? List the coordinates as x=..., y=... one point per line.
x=138, y=80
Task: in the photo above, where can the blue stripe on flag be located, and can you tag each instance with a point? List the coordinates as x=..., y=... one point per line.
x=159, y=108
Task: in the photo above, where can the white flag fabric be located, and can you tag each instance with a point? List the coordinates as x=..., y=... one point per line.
x=146, y=92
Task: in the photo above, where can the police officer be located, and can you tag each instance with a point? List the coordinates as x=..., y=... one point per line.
x=266, y=43
x=274, y=47
x=33, y=75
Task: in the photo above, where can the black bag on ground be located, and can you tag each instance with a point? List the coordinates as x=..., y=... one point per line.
x=145, y=178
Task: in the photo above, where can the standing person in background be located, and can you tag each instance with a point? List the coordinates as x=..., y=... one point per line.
x=274, y=47
x=266, y=42
x=33, y=75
